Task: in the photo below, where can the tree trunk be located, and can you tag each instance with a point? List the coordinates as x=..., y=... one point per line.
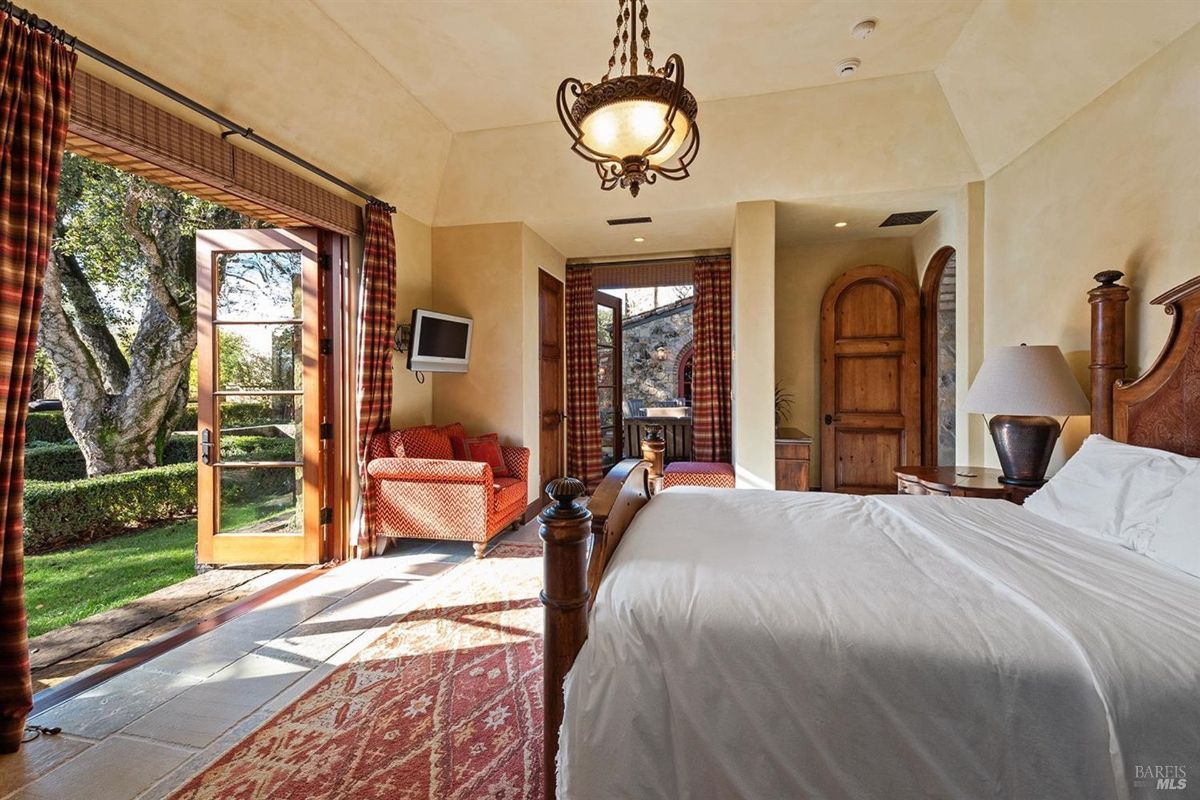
x=120, y=410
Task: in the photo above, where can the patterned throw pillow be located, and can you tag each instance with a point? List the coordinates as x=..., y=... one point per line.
x=425, y=442
x=487, y=448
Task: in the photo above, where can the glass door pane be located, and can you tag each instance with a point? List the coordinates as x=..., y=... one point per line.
x=608, y=377
x=259, y=328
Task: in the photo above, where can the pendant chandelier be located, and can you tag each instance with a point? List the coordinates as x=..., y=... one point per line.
x=633, y=126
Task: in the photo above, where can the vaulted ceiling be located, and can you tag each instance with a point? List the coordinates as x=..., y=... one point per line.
x=446, y=108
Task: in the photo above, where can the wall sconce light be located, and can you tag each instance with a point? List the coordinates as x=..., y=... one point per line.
x=661, y=353
x=402, y=338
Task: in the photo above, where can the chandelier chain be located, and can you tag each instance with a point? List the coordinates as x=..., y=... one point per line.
x=647, y=52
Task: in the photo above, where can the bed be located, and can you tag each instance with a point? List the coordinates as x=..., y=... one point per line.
x=877, y=647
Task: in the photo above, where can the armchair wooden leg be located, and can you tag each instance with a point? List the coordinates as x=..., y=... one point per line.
x=381, y=545
x=480, y=549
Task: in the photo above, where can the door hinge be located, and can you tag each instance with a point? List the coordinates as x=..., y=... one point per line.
x=326, y=516
x=325, y=261
x=327, y=347
x=326, y=430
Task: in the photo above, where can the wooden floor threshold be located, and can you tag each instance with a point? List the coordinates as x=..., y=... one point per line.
x=56, y=695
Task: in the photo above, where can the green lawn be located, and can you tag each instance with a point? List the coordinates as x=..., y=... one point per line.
x=66, y=586
x=63, y=587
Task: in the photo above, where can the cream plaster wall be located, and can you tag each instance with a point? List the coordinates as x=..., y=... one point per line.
x=412, y=402
x=489, y=273
x=753, y=259
x=1115, y=187
x=477, y=274
x=802, y=273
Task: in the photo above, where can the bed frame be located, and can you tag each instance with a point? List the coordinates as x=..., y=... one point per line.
x=1160, y=409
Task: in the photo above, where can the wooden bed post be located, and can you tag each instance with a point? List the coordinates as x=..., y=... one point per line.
x=1108, y=346
x=653, y=447
x=566, y=532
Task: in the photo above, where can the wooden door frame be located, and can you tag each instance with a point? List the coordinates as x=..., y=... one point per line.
x=545, y=279
x=261, y=548
x=931, y=283
x=604, y=299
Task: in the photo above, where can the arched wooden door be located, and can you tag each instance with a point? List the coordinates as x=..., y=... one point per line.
x=870, y=380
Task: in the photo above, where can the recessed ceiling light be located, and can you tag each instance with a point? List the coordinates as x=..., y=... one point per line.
x=840, y=224
x=639, y=238
x=847, y=67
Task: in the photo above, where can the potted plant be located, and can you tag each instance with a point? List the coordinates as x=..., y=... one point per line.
x=783, y=405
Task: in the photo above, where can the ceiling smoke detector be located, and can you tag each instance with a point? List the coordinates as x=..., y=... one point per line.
x=847, y=67
x=864, y=29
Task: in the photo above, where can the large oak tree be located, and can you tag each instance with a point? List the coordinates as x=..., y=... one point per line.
x=119, y=311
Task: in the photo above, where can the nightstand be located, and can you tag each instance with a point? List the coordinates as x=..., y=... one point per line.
x=959, y=482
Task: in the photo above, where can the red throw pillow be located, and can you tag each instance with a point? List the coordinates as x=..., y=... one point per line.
x=425, y=441
x=486, y=448
x=459, y=445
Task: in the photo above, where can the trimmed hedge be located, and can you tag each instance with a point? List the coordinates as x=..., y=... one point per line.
x=61, y=514
x=55, y=462
x=64, y=462
x=51, y=426
x=233, y=415
x=181, y=448
x=47, y=426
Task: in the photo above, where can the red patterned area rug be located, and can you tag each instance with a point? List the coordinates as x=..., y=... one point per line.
x=445, y=705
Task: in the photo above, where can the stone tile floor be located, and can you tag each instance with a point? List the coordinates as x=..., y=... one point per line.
x=64, y=653
x=143, y=733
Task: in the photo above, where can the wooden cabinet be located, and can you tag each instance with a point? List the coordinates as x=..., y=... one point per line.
x=959, y=482
x=792, y=454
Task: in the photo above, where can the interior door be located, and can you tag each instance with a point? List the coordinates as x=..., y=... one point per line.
x=261, y=402
x=870, y=380
x=552, y=451
x=608, y=377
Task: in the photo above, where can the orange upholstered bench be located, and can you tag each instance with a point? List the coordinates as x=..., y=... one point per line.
x=698, y=473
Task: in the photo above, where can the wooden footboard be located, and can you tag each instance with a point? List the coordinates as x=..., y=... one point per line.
x=578, y=543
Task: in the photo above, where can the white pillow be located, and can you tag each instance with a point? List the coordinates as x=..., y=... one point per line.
x=1112, y=490
x=1177, y=540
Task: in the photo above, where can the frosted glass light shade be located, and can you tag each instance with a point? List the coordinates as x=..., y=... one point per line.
x=628, y=127
x=1026, y=380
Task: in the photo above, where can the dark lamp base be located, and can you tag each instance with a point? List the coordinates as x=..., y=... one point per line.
x=1024, y=445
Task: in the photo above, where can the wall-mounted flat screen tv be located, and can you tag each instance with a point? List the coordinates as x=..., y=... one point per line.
x=440, y=342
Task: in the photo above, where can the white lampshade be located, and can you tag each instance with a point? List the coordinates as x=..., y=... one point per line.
x=1026, y=380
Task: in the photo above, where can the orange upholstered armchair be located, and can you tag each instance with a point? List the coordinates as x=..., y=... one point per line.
x=422, y=488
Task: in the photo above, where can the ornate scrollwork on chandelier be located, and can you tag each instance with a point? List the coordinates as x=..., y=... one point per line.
x=632, y=127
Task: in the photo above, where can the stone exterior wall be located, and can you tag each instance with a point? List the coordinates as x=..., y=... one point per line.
x=655, y=382
x=946, y=366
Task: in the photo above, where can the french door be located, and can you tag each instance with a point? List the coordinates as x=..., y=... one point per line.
x=261, y=374
x=608, y=377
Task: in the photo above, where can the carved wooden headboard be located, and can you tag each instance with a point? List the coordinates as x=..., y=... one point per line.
x=1162, y=407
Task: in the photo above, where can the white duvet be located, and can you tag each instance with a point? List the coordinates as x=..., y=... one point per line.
x=776, y=645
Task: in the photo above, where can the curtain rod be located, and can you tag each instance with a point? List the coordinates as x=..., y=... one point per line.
x=232, y=128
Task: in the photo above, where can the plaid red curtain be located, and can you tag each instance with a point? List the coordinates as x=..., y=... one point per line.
x=35, y=97
x=712, y=408
x=376, y=319
x=583, y=414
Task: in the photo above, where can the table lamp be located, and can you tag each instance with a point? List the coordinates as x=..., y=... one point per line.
x=1025, y=388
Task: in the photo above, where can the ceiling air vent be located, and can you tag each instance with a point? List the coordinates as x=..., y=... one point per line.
x=907, y=218
x=628, y=221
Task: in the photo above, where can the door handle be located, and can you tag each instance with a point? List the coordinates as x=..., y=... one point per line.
x=206, y=447
x=830, y=419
